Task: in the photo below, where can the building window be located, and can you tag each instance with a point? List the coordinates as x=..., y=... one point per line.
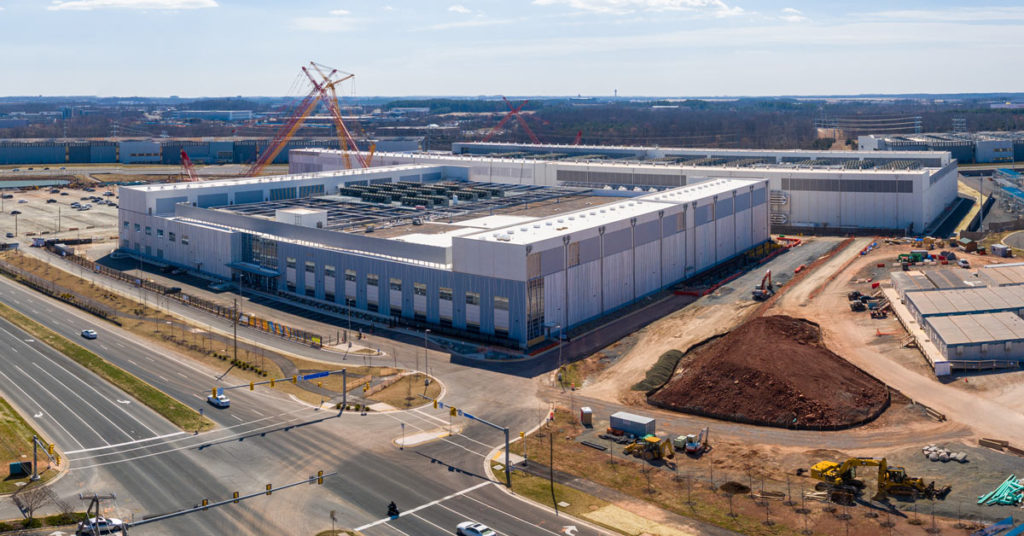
x=126, y=225
x=372, y=280
x=310, y=267
x=138, y=227
x=535, y=308
x=159, y=233
x=472, y=298
x=419, y=289
x=170, y=236
x=501, y=303
x=290, y=262
x=446, y=294
x=311, y=292
x=184, y=239
x=350, y=275
x=395, y=284
x=149, y=231
x=328, y=271
x=124, y=243
x=574, y=254
x=159, y=253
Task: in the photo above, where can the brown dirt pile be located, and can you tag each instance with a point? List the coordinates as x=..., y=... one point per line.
x=773, y=370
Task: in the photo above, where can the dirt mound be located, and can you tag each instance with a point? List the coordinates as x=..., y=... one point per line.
x=773, y=370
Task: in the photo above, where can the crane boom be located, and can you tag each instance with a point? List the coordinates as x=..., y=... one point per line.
x=284, y=134
x=190, y=170
x=522, y=122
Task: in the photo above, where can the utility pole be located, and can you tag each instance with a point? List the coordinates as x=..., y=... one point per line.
x=234, y=325
x=426, y=358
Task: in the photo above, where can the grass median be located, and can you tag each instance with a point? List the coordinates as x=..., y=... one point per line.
x=181, y=415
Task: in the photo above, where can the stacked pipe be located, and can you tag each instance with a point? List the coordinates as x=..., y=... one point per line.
x=1008, y=493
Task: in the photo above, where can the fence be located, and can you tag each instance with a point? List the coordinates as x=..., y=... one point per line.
x=57, y=291
x=267, y=326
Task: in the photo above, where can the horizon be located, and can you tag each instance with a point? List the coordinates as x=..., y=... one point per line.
x=556, y=48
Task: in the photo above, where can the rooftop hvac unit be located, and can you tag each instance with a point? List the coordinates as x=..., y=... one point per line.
x=778, y=218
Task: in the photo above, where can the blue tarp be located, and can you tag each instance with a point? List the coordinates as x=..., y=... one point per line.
x=1015, y=192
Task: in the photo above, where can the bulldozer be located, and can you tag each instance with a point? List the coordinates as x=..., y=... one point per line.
x=765, y=290
x=650, y=447
x=693, y=445
x=892, y=481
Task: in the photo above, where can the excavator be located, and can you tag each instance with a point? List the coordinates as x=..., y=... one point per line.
x=765, y=289
x=693, y=445
x=650, y=447
x=892, y=481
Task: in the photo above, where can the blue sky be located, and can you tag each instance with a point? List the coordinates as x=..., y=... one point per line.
x=527, y=47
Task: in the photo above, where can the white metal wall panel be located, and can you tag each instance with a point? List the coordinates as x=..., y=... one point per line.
x=618, y=279
x=501, y=319
x=584, y=295
x=742, y=222
x=554, y=298
x=725, y=245
x=674, y=264
x=350, y=290
x=445, y=309
x=373, y=293
x=290, y=275
x=705, y=246
x=472, y=314
x=648, y=276
x=310, y=280
x=330, y=285
x=419, y=304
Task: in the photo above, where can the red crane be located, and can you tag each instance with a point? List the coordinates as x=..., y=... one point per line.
x=190, y=170
x=513, y=111
x=579, y=136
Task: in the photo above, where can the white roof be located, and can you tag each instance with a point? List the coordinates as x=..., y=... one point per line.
x=496, y=221
x=979, y=328
x=437, y=239
x=170, y=186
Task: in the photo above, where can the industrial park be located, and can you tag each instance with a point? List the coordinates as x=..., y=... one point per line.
x=594, y=310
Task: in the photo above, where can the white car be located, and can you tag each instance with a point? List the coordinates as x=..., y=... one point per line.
x=471, y=528
x=219, y=401
x=89, y=333
x=101, y=525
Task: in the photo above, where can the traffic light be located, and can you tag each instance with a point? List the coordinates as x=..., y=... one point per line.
x=206, y=502
x=319, y=477
x=435, y=404
x=252, y=386
x=269, y=489
x=213, y=392
x=366, y=387
x=271, y=382
x=452, y=411
x=49, y=449
x=522, y=435
x=295, y=379
x=235, y=496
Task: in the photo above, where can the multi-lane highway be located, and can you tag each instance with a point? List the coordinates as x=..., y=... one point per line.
x=115, y=445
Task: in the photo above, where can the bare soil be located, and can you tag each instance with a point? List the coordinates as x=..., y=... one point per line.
x=773, y=370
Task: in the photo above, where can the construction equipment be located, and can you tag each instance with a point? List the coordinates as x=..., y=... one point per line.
x=650, y=447
x=765, y=290
x=878, y=313
x=513, y=112
x=693, y=445
x=857, y=305
x=579, y=137
x=186, y=165
x=892, y=481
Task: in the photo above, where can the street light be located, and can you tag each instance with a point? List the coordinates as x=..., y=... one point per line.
x=426, y=358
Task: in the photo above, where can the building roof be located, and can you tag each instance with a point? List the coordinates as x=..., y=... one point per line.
x=911, y=281
x=978, y=328
x=1002, y=275
x=966, y=301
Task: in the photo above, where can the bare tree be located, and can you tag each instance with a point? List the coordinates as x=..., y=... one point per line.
x=33, y=498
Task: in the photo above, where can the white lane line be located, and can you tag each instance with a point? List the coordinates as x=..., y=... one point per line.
x=61, y=402
x=118, y=406
x=79, y=451
x=181, y=374
x=446, y=439
x=130, y=361
x=238, y=418
x=94, y=408
x=396, y=529
x=521, y=520
x=55, y=421
x=422, y=506
x=425, y=520
x=161, y=378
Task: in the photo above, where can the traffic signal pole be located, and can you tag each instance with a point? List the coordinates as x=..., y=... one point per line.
x=453, y=411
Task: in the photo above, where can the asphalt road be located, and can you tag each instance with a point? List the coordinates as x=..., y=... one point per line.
x=263, y=438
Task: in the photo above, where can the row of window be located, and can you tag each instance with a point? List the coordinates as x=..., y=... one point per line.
x=159, y=233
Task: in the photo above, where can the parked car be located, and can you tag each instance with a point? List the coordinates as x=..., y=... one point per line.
x=10, y=235
x=219, y=401
x=51, y=200
x=76, y=204
x=963, y=263
x=64, y=193
x=471, y=528
x=7, y=196
x=89, y=189
x=15, y=212
x=108, y=194
x=95, y=526
x=23, y=200
x=89, y=333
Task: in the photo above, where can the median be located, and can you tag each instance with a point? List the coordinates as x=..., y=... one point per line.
x=181, y=415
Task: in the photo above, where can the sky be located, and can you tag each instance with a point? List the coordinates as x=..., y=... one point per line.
x=194, y=48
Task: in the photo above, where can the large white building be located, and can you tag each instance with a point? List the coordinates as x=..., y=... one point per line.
x=838, y=191
x=425, y=246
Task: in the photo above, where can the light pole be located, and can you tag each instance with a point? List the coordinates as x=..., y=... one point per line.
x=426, y=358
x=15, y=225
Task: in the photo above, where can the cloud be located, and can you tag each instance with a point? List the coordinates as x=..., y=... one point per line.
x=388, y=8
x=717, y=8
x=459, y=8
x=89, y=5
x=952, y=14
x=340, y=12
x=475, y=23
x=790, y=14
x=323, y=24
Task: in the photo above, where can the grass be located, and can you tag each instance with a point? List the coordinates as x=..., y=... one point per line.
x=538, y=489
x=16, y=445
x=56, y=520
x=404, y=393
x=179, y=414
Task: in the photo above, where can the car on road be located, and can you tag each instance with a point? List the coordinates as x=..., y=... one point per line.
x=23, y=200
x=963, y=263
x=94, y=526
x=89, y=333
x=219, y=401
x=51, y=200
x=471, y=528
x=64, y=193
x=76, y=204
x=7, y=196
x=10, y=235
x=15, y=212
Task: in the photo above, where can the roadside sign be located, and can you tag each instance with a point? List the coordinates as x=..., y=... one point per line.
x=315, y=375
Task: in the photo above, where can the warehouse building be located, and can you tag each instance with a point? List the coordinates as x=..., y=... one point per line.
x=828, y=191
x=423, y=245
x=937, y=279
x=979, y=338
x=932, y=303
x=1002, y=275
x=967, y=148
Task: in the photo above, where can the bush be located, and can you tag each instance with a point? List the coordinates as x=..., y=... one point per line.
x=661, y=372
x=69, y=518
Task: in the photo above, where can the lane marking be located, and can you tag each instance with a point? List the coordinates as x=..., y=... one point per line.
x=237, y=417
x=79, y=451
x=517, y=518
x=94, y=408
x=422, y=506
x=425, y=520
x=34, y=401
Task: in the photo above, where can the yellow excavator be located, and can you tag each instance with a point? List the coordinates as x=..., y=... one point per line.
x=892, y=481
x=650, y=447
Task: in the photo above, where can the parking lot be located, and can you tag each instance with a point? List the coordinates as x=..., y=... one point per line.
x=30, y=213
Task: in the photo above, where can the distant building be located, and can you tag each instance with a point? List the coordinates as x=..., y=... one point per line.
x=972, y=148
x=213, y=115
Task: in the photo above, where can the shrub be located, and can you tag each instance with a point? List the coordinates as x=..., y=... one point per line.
x=661, y=372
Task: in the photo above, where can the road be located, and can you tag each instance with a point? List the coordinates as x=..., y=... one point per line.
x=263, y=438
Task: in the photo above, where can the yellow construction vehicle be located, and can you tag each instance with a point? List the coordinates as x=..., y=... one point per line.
x=650, y=447
x=892, y=481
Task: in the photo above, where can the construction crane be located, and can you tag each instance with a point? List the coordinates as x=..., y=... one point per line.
x=186, y=165
x=513, y=111
x=285, y=133
x=330, y=99
x=765, y=289
x=579, y=137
